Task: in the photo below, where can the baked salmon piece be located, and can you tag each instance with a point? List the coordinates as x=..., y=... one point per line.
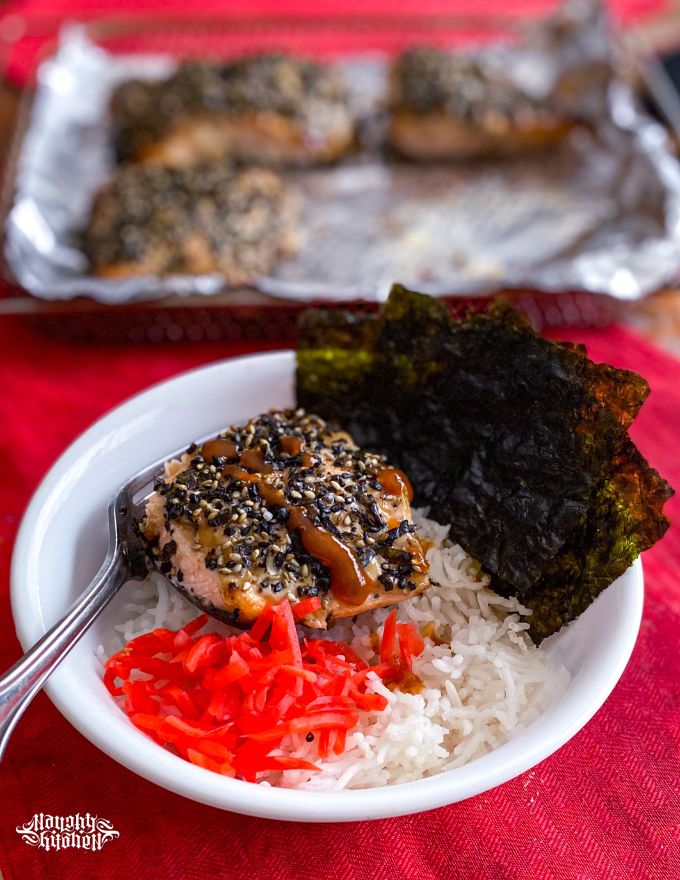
x=263, y=109
x=150, y=220
x=285, y=507
x=448, y=106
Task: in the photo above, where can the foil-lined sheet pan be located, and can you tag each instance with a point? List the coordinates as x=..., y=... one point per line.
x=601, y=213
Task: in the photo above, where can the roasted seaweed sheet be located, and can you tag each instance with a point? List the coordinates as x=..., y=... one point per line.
x=519, y=443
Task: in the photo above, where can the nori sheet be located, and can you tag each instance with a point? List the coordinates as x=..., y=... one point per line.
x=519, y=443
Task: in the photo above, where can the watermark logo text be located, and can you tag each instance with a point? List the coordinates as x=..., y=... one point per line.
x=67, y=832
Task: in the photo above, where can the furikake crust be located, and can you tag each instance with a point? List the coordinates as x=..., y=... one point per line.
x=463, y=87
x=247, y=540
x=519, y=443
x=145, y=111
x=212, y=218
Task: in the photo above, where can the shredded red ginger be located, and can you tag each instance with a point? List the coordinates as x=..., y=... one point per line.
x=226, y=703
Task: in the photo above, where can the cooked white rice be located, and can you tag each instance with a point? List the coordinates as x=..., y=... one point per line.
x=483, y=685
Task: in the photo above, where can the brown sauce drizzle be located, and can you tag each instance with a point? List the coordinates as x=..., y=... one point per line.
x=409, y=683
x=253, y=459
x=349, y=581
x=234, y=470
x=294, y=446
x=291, y=444
x=395, y=482
x=219, y=447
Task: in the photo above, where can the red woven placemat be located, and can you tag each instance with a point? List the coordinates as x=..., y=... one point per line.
x=605, y=806
x=35, y=22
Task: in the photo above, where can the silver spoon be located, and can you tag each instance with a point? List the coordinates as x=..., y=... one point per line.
x=125, y=559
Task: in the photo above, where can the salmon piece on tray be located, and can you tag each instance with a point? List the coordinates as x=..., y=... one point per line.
x=448, y=106
x=150, y=220
x=270, y=109
x=285, y=506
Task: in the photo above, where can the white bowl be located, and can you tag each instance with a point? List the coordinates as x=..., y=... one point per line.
x=62, y=542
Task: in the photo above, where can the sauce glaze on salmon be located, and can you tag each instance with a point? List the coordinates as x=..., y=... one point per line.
x=285, y=506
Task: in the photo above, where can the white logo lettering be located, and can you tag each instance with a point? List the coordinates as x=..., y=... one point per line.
x=64, y=832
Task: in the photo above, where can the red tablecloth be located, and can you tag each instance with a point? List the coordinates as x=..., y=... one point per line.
x=605, y=806
x=35, y=21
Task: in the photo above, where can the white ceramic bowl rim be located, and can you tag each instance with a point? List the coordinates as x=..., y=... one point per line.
x=110, y=730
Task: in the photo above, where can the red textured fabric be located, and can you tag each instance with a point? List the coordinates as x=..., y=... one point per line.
x=605, y=807
x=37, y=21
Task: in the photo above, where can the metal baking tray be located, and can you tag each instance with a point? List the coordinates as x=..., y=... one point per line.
x=270, y=310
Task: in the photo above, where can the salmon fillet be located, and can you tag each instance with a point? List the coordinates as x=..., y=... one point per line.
x=157, y=221
x=447, y=106
x=265, y=109
x=285, y=507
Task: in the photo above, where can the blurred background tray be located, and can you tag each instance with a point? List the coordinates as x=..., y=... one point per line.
x=25, y=43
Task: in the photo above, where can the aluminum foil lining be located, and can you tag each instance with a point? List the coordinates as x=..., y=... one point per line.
x=600, y=214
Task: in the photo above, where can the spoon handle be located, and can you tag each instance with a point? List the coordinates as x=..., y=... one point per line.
x=22, y=681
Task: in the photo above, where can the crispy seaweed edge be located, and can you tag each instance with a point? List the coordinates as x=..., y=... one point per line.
x=339, y=354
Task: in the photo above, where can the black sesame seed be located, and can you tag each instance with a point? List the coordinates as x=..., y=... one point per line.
x=366, y=556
